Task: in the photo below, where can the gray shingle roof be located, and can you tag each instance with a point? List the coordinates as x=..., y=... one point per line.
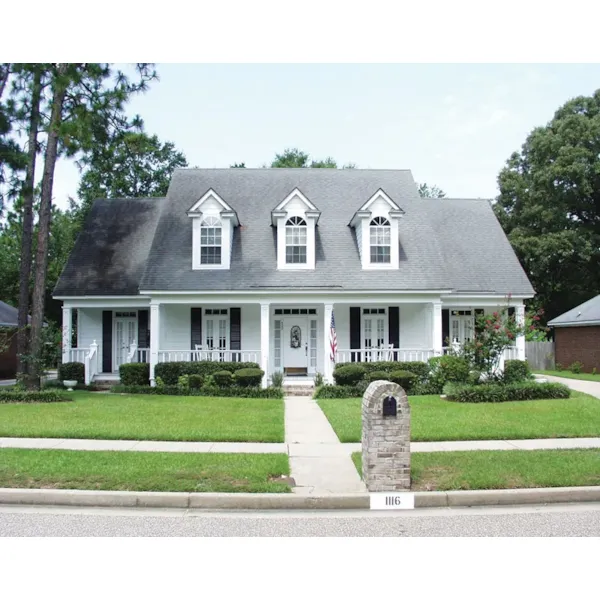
x=111, y=252
x=444, y=243
x=8, y=315
x=587, y=313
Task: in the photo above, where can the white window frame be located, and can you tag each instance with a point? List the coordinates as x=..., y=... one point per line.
x=211, y=222
x=380, y=228
x=296, y=227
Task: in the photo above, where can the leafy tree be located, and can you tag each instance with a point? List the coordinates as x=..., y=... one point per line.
x=430, y=192
x=549, y=205
x=132, y=165
x=292, y=158
x=238, y=166
x=328, y=163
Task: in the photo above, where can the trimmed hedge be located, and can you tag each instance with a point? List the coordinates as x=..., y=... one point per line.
x=173, y=390
x=248, y=377
x=7, y=397
x=223, y=378
x=494, y=392
x=336, y=391
x=72, y=371
x=447, y=368
x=420, y=369
x=196, y=381
x=135, y=374
x=170, y=372
x=404, y=379
x=516, y=371
x=375, y=375
x=349, y=374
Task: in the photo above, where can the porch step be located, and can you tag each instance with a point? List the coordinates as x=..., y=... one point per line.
x=305, y=387
x=104, y=381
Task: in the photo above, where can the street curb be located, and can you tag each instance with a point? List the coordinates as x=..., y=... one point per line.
x=215, y=501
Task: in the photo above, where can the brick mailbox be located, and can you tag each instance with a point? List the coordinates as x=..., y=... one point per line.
x=385, y=438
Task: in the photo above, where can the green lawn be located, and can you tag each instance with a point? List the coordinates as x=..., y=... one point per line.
x=501, y=469
x=570, y=375
x=142, y=471
x=434, y=419
x=144, y=417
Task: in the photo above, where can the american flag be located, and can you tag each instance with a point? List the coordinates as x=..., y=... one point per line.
x=332, y=339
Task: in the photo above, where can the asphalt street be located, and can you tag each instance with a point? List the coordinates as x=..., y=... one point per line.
x=556, y=520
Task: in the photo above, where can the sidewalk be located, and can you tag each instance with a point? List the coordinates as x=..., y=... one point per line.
x=587, y=387
x=306, y=450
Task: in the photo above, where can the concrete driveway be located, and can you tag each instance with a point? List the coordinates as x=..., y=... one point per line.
x=587, y=387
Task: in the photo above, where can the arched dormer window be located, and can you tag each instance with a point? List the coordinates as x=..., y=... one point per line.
x=210, y=241
x=295, y=241
x=380, y=240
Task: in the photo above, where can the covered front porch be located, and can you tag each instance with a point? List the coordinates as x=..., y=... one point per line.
x=297, y=337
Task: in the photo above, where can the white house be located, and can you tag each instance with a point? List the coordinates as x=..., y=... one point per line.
x=252, y=264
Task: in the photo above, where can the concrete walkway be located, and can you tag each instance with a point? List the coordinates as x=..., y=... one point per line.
x=294, y=450
x=319, y=463
x=587, y=387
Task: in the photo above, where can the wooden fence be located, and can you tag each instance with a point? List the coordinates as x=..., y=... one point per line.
x=540, y=355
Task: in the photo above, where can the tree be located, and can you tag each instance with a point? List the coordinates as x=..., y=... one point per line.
x=549, y=205
x=430, y=192
x=292, y=158
x=132, y=165
x=238, y=166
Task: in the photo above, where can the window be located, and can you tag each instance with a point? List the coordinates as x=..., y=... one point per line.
x=380, y=240
x=295, y=311
x=295, y=241
x=210, y=241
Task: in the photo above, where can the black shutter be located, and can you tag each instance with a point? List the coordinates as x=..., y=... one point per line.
x=445, y=326
x=478, y=313
x=107, y=322
x=235, y=332
x=394, y=329
x=511, y=311
x=143, y=339
x=196, y=328
x=355, y=333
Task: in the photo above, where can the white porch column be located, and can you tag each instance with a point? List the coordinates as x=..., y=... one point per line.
x=520, y=341
x=67, y=330
x=327, y=362
x=436, y=328
x=154, y=339
x=265, y=319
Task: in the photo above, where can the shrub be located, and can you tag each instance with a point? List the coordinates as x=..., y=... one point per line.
x=248, y=377
x=9, y=396
x=405, y=379
x=361, y=387
x=195, y=381
x=349, y=374
x=576, y=367
x=447, y=368
x=508, y=393
x=420, y=369
x=559, y=367
x=170, y=372
x=424, y=389
x=135, y=374
x=72, y=371
x=318, y=379
x=223, y=378
x=183, y=384
x=277, y=379
x=375, y=375
x=336, y=391
x=173, y=390
x=516, y=371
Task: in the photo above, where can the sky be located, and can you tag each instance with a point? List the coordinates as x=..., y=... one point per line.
x=454, y=126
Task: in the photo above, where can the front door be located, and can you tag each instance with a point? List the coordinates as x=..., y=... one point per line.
x=374, y=336
x=295, y=345
x=216, y=335
x=125, y=335
x=461, y=326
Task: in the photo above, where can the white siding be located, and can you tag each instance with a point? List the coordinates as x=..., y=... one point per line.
x=89, y=327
x=175, y=327
x=250, y=316
x=359, y=239
x=415, y=326
x=342, y=325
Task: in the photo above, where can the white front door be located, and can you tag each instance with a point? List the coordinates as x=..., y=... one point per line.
x=374, y=335
x=125, y=334
x=216, y=335
x=295, y=340
x=461, y=327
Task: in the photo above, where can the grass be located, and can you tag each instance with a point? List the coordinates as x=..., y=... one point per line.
x=501, y=469
x=142, y=417
x=571, y=375
x=434, y=419
x=142, y=471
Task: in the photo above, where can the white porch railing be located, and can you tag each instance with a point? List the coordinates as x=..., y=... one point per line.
x=90, y=362
x=77, y=354
x=138, y=355
x=386, y=354
x=511, y=353
x=212, y=355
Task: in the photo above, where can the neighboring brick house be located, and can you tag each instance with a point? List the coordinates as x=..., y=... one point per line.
x=8, y=340
x=577, y=335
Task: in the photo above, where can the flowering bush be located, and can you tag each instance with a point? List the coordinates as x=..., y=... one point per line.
x=493, y=335
x=534, y=330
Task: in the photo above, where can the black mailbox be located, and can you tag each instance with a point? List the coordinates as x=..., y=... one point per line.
x=390, y=407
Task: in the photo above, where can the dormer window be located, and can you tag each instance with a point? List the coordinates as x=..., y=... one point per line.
x=295, y=241
x=295, y=219
x=210, y=241
x=213, y=226
x=380, y=240
x=377, y=229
